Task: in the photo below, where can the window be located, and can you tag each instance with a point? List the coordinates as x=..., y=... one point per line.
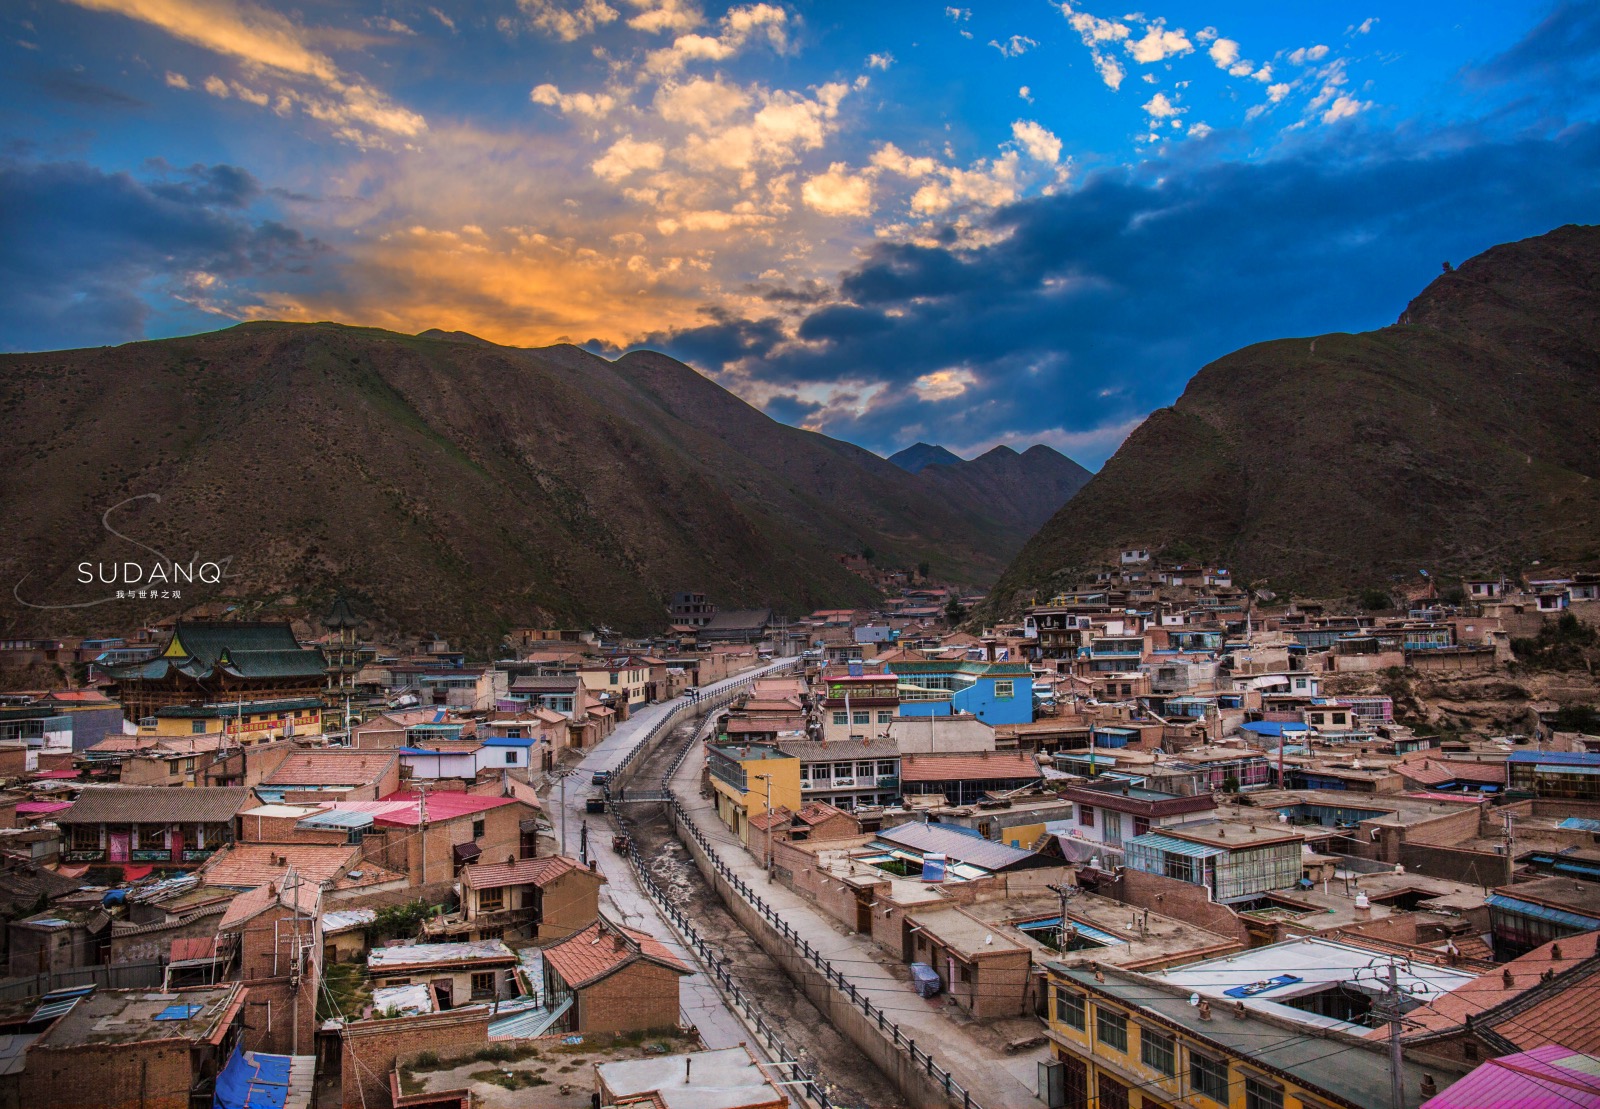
x=1003, y=690
x=197, y=727
x=511, y=757
x=1261, y=1094
x=885, y=716
x=172, y=766
x=1086, y=816
x=1111, y=1028
x=613, y=677
x=1141, y=825
x=1113, y=1094
x=491, y=901
x=841, y=718
x=1157, y=1050
x=483, y=984
x=861, y=718
x=477, y=829
x=1070, y=1008
x=863, y=770
x=1208, y=1076
x=85, y=837
x=152, y=837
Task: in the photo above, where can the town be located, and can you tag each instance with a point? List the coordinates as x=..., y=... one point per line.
x=1159, y=840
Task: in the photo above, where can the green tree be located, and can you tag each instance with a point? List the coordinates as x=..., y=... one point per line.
x=955, y=611
x=923, y=570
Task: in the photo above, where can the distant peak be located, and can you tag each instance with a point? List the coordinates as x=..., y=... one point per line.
x=915, y=458
x=443, y=336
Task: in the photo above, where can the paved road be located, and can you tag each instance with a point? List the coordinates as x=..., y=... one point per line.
x=996, y=1081
x=621, y=894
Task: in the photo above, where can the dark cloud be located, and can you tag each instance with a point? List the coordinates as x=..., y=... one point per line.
x=73, y=89
x=1102, y=301
x=791, y=409
x=1564, y=45
x=81, y=250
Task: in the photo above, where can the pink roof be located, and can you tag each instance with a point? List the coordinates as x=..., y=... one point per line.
x=1547, y=1077
x=61, y=775
x=42, y=806
x=445, y=805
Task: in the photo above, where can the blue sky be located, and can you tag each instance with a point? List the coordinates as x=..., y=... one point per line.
x=1023, y=222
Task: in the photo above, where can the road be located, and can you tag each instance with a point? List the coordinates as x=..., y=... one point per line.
x=621, y=895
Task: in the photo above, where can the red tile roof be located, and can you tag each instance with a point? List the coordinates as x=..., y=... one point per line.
x=604, y=948
x=248, y=865
x=522, y=872
x=332, y=768
x=968, y=768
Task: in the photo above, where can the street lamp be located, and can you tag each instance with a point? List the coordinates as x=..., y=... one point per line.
x=767, y=850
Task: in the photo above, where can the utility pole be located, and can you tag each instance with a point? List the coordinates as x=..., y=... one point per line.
x=1391, y=1004
x=422, y=824
x=562, y=779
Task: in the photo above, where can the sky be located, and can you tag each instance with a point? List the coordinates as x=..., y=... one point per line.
x=1014, y=223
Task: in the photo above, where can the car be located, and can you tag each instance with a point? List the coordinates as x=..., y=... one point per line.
x=601, y=777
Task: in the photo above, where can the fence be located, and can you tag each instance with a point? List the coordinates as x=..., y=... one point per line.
x=920, y=1059
x=120, y=976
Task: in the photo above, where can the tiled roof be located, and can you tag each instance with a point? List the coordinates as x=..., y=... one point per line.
x=968, y=768
x=247, y=865
x=331, y=768
x=956, y=844
x=248, y=649
x=604, y=948
x=155, y=805
x=1426, y=772
x=815, y=812
x=522, y=872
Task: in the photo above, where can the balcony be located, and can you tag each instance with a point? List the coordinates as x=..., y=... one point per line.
x=889, y=783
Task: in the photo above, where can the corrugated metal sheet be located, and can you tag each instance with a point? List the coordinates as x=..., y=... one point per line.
x=959, y=845
x=1541, y=912
x=1174, y=846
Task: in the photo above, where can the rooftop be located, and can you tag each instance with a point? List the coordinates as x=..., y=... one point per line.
x=331, y=768
x=522, y=872
x=982, y=766
x=161, y=804
x=435, y=954
x=115, y=1017
x=603, y=948
x=727, y=1078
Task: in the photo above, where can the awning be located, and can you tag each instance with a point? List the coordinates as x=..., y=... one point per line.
x=1564, y=768
x=466, y=852
x=1174, y=846
x=1542, y=912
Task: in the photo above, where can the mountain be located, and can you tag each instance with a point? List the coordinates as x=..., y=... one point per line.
x=1029, y=487
x=1465, y=436
x=920, y=455
x=445, y=483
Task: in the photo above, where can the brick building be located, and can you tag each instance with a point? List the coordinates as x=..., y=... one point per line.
x=618, y=979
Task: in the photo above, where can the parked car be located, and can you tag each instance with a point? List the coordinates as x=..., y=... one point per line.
x=601, y=777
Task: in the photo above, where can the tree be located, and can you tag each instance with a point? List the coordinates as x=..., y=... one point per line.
x=1375, y=600
x=868, y=553
x=955, y=611
x=923, y=570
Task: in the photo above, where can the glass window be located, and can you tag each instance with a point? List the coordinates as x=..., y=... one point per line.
x=1261, y=1094
x=1209, y=1077
x=1070, y=1008
x=861, y=718
x=1086, y=815
x=1004, y=689
x=483, y=984
x=1111, y=1027
x=477, y=829
x=841, y=718
x=1157, y=1050
x=885, y=716
x=197, y=727
x=863, y=770
x=885, y=768
x=491, y=901
x=511, y=756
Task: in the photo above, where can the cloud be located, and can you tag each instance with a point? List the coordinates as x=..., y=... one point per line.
x=1098, y=35
x=626, y=157
x=959, y=15
x=1041, y=145
x=1158, y=44
x=1014, y=47
x=838, y=192
x=1025, y=94
x=264, y=41
x=661, y=16
x=1362, y=28
x=891, y=158
x=740, y=26
x=880, y=61
x=1096, y=303
x=1308, y=54
x=177, y=80
x=1225, y=53
x=1276, y=93
x=1343, y=107
x=592, y=105
x=1560, y=50
x=567, y=24
x=87, y=256
x=1159, y=107
x=702, y=103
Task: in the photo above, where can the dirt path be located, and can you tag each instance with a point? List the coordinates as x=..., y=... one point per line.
x=853, y=1078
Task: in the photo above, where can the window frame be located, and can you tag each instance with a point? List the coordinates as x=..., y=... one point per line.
x=1078, y=1006
x=1198, y=1064
x=1153, y=1037
x=1110, y=1019
x=1261, y=1092
x=478, y=990
x=492, y=900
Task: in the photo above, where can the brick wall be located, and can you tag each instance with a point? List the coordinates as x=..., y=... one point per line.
x=1446, y=828
x=1480, y=868
x=635, y=999
x=370, y=1048
x=154, y=1075
x=281, y=829
x=280, y=1016
x=155, y=943
x=1173, y=898
x=571, y=903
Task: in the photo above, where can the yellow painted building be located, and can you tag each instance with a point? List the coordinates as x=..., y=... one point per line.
x=746, y=777
x=624, y=679
x=1122, y=1040
x=245, y=723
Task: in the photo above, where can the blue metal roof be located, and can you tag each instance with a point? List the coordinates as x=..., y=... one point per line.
x=1566, y=758
x=337, y=818
x=1580, y=823
x=1542, y=767
x=1273, y=727
x=1174, y=846
x=509, y=741
x=1541, y=912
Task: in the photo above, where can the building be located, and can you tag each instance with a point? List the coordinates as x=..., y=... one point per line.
x=726, y=1078
x=847, y=774
x=456, y=974
x=617, y=681
x=995, y=692
x=543, y=899
x=332, y=775
x=219, y=664
x=1555, y=775
x=126, y=1048
x=1233, y=862
x=691, y=610
x=743, y=626
x=430, y=838
x=1528, y=915
x=1122, y=1038
x=858, y=706
x=1106, y=814
x=750, y=780
x=608, y=978
x=965, y=779
x=149, y=825
x=275, y=932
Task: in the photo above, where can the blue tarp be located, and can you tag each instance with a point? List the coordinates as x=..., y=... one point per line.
x=254, y=1081
x=178, y=1012
x=1255, y=988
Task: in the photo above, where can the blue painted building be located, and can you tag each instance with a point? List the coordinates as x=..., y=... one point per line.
x=995, y=692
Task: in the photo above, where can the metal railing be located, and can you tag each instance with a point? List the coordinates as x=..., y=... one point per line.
x=920, y=1058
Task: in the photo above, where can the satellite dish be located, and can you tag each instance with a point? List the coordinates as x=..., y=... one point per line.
x=1194, y=999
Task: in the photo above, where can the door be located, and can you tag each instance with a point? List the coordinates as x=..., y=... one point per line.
x=119, y=847
x=863, y=913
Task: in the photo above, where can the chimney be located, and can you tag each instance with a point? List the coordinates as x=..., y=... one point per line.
x=1205, y=1009
x=1429, y=1086
x=1555, y=952
x=1508, y=979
